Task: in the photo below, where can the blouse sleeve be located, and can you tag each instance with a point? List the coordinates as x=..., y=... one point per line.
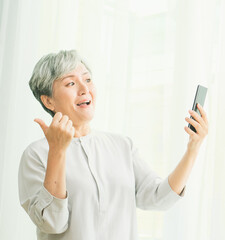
x=151, y=191
x=49, y=214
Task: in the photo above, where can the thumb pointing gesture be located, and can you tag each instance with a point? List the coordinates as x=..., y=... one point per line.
x=60, y=132
x=42, y=124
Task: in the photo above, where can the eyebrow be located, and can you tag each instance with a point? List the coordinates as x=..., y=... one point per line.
x=72, y=76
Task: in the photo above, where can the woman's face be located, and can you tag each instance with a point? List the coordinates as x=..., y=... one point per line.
x=70, y=90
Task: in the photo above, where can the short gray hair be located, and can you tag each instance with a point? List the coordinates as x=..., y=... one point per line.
x=49, y=68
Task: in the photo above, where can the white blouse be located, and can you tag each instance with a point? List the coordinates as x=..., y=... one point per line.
x=105, y=179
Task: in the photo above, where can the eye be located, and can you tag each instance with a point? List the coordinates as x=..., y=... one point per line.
x=89, y=79
x=69, y=83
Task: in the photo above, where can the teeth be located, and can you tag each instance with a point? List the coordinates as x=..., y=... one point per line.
x=84, y=103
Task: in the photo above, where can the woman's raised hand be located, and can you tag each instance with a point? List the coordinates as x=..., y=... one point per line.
x=200, y=123
x=60, y=132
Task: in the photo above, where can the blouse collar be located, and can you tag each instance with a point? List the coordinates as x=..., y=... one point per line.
x=83, y=138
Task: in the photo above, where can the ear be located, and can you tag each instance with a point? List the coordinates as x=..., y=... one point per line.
x=48, y=102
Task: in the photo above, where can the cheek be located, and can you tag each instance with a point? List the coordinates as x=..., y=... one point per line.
x=94, y=96
x=94, y=91
x=65, y=97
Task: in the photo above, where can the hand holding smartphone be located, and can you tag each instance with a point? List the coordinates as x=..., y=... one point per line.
x=199, y=98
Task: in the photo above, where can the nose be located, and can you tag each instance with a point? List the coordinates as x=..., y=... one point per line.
x=83, y=88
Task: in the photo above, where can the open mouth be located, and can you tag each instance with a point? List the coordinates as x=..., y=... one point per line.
x=84, y=103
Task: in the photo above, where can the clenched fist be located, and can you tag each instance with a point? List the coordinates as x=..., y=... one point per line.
x=60, y=133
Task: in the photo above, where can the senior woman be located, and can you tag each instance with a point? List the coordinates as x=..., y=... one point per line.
x=77, y=183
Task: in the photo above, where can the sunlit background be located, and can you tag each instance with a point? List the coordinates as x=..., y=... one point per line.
x=147, y=58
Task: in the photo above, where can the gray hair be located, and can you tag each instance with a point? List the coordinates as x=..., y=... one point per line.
x=49, y=68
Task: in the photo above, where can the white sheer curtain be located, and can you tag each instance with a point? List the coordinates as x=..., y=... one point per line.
x=147, y=58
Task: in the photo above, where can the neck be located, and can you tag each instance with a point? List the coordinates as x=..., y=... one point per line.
x=82, y=130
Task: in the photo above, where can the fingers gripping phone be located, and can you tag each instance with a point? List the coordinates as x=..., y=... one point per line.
x=199, y=98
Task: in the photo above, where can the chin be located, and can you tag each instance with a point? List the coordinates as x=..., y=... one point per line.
x=88, y=117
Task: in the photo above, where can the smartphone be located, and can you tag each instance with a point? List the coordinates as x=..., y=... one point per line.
x=199, y=98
